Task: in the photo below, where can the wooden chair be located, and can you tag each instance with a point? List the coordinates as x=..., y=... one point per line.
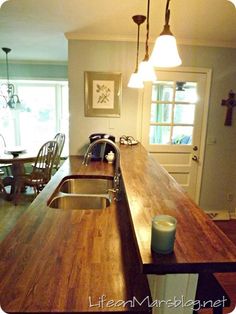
x=2, y=187
x=4, y=168
x=41, y=172
x=60, y=139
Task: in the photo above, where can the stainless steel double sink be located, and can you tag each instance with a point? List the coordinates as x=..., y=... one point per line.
x=80, y=192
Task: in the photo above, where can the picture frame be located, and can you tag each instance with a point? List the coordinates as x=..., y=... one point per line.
x=102, y=94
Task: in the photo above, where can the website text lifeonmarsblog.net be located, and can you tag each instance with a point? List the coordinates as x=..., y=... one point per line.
x=104, y=302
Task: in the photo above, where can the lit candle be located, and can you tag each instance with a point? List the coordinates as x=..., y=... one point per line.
x=163, y=234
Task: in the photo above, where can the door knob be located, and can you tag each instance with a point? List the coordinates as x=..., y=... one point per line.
x=195, y=148
x=195, y=158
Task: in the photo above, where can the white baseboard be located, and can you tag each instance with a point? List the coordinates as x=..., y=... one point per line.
x=221, y=214
x=232, y=215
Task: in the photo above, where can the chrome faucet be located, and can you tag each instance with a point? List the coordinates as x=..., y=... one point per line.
x=116, y=178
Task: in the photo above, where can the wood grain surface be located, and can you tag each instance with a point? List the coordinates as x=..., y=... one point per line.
x=59, y=260
x=24, y=157
x=71, y=260
x=200, y=246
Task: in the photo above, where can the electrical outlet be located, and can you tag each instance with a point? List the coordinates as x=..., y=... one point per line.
x=233, y=215
x=229, y=197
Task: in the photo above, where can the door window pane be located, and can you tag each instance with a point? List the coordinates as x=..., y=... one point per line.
x=186, y=91
x=162, y=91
x=161, y=113
x=182, y=135
x=184, y=114
x=159, y=134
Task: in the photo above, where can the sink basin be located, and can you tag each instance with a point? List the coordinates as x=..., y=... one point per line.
x=80, y=202
x=82, y=185
x=76, y=192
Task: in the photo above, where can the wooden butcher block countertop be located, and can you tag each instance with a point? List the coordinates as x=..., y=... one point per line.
x=72, y=260
x=200, y=245
x=79, y=260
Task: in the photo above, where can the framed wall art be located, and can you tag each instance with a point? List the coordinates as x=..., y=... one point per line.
x=102, y=94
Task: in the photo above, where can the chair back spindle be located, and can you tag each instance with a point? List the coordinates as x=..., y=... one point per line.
x=45, y=160
x=60, y=139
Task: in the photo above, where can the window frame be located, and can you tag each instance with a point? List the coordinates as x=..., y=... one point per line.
x=58, y=86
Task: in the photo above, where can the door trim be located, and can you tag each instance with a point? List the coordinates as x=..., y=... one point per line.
x=208, y=73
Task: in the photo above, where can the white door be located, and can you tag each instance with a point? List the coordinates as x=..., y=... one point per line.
x=174, y=118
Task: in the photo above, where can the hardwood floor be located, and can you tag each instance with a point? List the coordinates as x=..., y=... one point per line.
x=9, y=214
x=229, y=228
x=227, y=280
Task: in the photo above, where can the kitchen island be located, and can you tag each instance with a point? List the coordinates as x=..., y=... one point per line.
x=200, y=245
x=85, y=261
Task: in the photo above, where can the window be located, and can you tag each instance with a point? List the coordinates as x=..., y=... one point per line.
x=43, y=112
x=172, y=112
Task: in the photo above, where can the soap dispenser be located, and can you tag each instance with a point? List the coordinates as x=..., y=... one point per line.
x=110, y=157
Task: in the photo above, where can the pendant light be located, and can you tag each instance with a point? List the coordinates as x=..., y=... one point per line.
x=1, y=2
x=146, y=69
x=135, y=80
x=11, y=98
x=234, y=2
x=165, y=52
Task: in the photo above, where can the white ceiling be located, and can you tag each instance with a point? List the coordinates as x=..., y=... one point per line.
x=35, y=30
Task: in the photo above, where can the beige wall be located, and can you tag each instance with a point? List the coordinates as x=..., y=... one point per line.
x=99, y=56
x=219, y=176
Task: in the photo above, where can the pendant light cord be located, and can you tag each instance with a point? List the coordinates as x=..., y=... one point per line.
x=7, y=68
x=146, y=58
x=137, y=54
x=138, y=19
x=166, y=30
x=167, y=14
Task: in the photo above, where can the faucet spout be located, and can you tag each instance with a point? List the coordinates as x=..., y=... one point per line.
x=116, y=179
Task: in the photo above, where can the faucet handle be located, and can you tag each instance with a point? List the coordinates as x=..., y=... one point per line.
x=115, y=192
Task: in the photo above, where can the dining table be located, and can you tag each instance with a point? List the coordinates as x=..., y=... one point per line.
x=17, y=157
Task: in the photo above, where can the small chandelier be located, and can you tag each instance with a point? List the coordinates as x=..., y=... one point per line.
x=135, y=80
x=146, y=69
x=7, y=90
x=165, y=52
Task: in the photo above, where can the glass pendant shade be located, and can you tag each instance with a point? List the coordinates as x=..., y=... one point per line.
x=165, y=52
x=146, y=71
x=233, y=1
x=135, y=81
x=1, y=2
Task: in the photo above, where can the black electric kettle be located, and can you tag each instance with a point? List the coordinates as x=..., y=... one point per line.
x=100, y=150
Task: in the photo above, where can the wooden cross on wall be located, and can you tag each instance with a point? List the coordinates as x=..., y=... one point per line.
x=230, y=103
